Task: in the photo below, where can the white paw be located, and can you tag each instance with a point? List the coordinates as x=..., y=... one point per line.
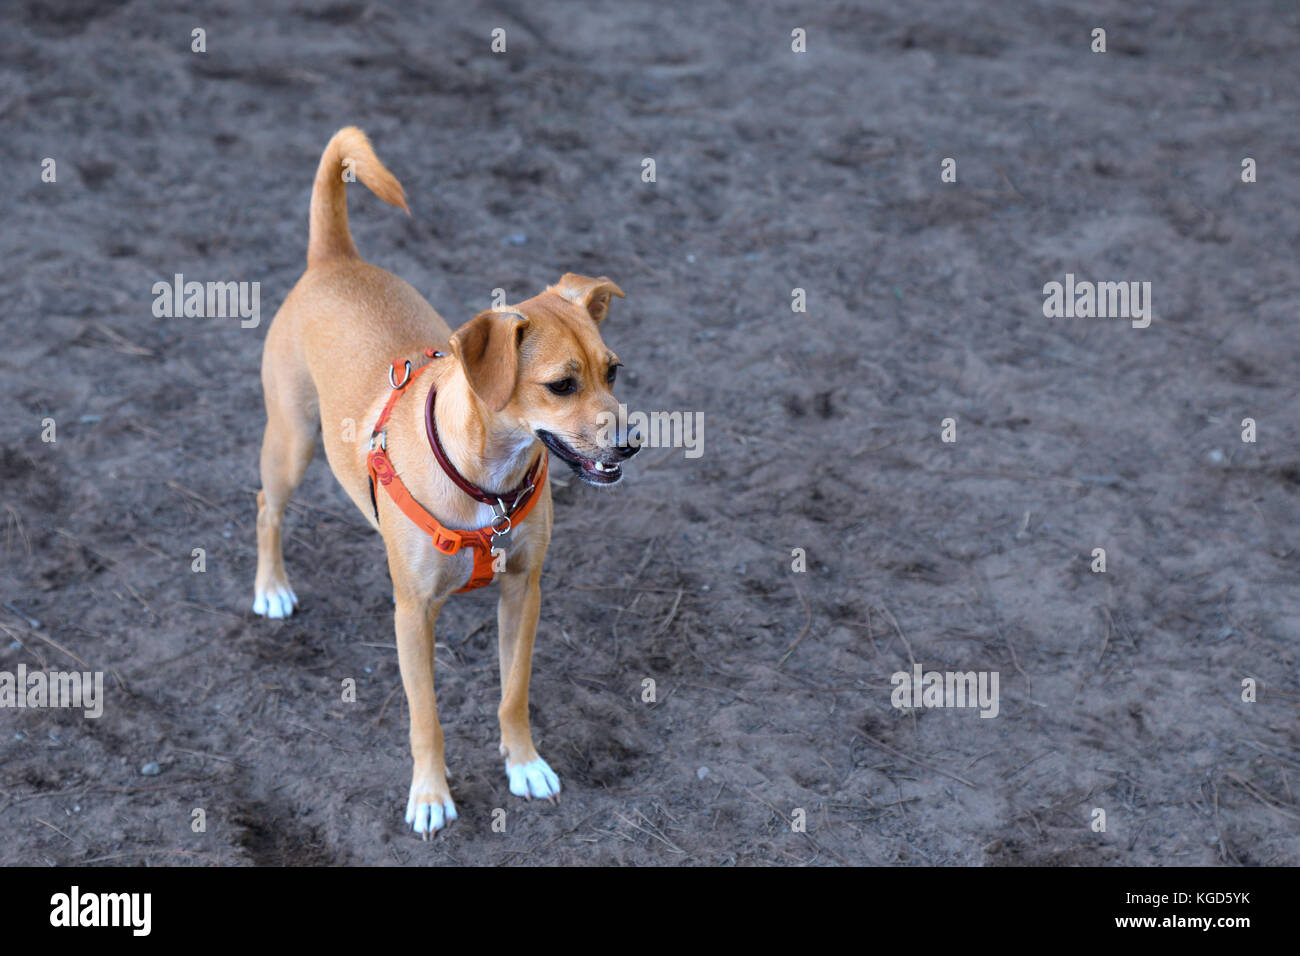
x=429, y=817
x=276, y=602
x=535, y=779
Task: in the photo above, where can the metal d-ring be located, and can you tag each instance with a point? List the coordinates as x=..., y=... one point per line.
x=502, y=515
x=406, y=378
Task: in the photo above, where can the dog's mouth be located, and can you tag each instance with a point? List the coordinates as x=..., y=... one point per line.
x=590, y=470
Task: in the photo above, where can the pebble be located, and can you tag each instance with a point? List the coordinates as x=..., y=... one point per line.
x=151, y=769
x=702, y=772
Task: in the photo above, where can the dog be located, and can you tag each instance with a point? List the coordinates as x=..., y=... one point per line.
x=454, y=474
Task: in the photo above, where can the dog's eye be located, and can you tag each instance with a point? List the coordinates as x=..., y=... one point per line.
x=612, y=373
x=563, y=387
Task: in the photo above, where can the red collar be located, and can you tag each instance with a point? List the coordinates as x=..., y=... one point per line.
x=507, y=500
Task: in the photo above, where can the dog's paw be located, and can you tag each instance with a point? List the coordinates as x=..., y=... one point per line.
x=277, y=601
x=429, y=809
x=533, y=779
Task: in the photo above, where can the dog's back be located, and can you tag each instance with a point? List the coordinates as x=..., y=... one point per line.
x=328, y=350
x=359, y=314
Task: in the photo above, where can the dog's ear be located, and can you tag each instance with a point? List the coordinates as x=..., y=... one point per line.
x=592, y=294
x=487, y=347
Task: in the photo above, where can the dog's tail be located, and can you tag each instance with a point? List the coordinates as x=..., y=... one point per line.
x=347, y=158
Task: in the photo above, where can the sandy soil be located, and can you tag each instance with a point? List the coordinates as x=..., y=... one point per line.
x=1119, y=691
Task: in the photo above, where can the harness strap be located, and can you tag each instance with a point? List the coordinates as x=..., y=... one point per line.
x=449, y=541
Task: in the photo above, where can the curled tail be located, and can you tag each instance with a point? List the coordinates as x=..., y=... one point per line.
x=349, y=149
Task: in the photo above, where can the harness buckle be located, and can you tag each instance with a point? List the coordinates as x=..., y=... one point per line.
x=446, y=543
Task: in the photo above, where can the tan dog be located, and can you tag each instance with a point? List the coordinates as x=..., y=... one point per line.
x=513, y=380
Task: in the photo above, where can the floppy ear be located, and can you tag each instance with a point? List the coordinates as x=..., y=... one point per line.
x=487, y=347
x=592, y=294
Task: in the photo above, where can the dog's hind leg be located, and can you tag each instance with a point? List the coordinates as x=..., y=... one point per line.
x=287, y=449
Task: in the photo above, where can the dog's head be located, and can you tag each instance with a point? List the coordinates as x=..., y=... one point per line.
x=541, y=368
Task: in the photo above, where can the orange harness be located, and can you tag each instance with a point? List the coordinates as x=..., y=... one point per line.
x=449, y=540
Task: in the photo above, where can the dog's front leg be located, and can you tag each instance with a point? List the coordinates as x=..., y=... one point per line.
x=521, y=600
x=429, y=807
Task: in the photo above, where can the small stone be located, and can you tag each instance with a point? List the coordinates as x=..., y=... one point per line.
x=702, y=772
x=151, y=769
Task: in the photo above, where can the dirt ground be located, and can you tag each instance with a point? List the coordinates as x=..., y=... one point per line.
x=1120, y=691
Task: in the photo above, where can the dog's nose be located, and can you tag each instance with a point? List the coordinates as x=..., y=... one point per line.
x=632, y=442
